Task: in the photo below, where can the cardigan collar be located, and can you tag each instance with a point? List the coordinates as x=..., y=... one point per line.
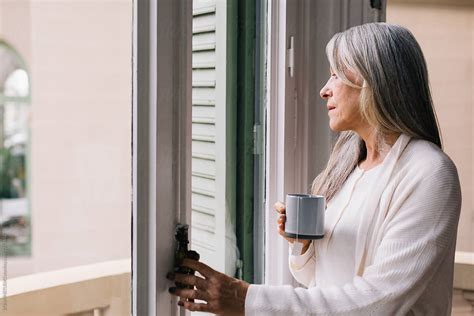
x=382, y=169
x=371, y=204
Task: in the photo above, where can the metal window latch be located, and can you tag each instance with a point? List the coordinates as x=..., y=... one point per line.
x=182, y=252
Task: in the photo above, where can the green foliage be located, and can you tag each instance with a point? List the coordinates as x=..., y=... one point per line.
x=12, y=167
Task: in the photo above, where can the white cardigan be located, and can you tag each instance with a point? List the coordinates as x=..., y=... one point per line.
x=404, y=256
x=336, y=251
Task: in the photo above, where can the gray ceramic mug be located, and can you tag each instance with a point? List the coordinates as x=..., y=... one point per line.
x=305, y=216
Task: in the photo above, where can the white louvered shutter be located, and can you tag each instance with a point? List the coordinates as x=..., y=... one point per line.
x=212, y=232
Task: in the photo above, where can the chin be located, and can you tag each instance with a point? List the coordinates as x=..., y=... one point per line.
x=336, y=128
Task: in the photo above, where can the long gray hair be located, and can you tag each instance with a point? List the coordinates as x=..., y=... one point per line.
x=395, y=95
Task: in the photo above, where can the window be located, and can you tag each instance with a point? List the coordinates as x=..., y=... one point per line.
x=14, y=149
x=169, y=121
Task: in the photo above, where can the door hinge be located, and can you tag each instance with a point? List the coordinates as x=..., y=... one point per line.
x=257, y=139
x=290, y=56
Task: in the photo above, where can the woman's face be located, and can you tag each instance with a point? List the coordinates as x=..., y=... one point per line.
x=343, y=104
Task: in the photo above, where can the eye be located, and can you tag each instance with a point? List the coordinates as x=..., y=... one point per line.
x=333, y=75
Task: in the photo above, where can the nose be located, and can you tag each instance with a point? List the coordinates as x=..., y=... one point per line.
x=325, y=92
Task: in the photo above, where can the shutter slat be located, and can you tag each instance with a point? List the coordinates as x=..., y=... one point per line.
x=204, y=120
x=202, y=209
x=204, y=65
x=204, y=47
x=203, y=29
x=203, y=102
x=204, y=148
x=205, y=184
x=204, y=10
x=203, y=192
x=204, y=93
x=204, y=59
x=204, y=156
x=204, y=166
x=204, y=201
x=204, y=138
x=204, y=84
x=198, y=243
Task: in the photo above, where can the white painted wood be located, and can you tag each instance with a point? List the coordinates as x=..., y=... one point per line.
x=204, y=135
x=201, y=6
x=161, y=146
x=276, y=270
x=211, y=155
x=207, y=94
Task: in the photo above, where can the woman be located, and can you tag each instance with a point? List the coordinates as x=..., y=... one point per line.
x=393, y=197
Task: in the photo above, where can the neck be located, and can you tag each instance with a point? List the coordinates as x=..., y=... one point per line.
x=376, y=150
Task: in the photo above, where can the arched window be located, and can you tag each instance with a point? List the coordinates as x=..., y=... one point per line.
x=14, y=140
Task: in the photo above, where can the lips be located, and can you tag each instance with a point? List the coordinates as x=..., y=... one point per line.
x=331, y=107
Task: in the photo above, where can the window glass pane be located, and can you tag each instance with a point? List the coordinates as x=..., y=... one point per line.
x=14, y=131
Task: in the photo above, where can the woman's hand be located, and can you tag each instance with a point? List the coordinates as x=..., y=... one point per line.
x=221, y=293
x=281, y=209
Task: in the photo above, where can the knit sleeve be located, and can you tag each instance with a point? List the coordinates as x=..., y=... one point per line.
x=421, y=229
x=302, y=267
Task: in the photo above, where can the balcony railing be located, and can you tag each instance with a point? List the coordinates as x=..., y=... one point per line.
x=101, y=289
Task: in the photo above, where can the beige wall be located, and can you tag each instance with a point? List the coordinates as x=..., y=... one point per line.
x=79, y=56
x=446, y=35
x=15, y=25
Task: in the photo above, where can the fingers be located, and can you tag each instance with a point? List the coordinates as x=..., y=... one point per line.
x=281, y=232
x=187, y=279
x=281, y=227
x=281, y=222
x=280, y=207
x=195, y=307
x=200, y=267
x=281, y=219
x=189, y=294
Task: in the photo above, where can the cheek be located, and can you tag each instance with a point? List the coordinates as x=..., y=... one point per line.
x=344, y=117
x=351, y=110
x=337, y=119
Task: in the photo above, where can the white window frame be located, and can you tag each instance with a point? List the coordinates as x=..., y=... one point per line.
x=275, y=272
x=162, y=31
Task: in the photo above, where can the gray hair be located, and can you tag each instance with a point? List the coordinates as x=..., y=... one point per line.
x=395, y=95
